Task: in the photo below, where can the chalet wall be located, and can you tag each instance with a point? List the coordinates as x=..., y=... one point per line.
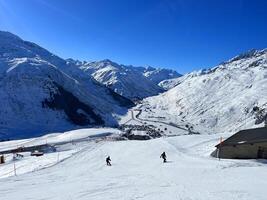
x=242, y=151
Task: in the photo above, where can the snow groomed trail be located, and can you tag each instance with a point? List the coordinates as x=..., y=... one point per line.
x=137, y=172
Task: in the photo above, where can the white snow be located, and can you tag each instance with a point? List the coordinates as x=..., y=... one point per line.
x=221, y=99
x=127, y=81
x=137, y=172
x=67, y=144
x=29, y=75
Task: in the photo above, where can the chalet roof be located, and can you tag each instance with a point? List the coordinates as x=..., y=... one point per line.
x=255, y=135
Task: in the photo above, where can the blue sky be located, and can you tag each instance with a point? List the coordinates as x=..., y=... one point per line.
x=184, y=35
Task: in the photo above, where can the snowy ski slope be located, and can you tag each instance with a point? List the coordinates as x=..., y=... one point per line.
x=137, y=172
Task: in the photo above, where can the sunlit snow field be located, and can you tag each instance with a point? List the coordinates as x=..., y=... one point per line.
x=137, y=172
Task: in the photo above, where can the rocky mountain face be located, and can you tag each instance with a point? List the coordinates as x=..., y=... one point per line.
x=40, y=92
x=228, y=97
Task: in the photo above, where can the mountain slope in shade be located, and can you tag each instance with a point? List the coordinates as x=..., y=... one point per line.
x=228, y=97
x=40, y=93
x=132, y=82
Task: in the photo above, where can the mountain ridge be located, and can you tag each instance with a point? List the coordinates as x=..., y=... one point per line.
x=228, y=97
x=34, y=81
x=132, y=82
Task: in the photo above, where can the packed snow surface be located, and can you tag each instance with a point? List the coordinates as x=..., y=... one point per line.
x=137, y=172
x=67, y=144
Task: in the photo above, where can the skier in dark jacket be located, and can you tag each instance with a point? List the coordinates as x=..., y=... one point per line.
x=108, y=161
x=164, y=157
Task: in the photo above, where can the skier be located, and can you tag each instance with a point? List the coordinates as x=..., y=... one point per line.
x=108, y=161
x=164, y=157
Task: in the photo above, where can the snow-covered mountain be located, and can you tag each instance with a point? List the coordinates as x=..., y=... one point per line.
x=40, y=93
x=132, y=82
x=228, y=97
x=157, y=75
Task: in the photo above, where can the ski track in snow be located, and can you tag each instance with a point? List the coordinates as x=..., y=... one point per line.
x=137, y=172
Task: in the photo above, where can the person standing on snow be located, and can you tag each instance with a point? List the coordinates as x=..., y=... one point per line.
x=164, y=157
x=108, y=161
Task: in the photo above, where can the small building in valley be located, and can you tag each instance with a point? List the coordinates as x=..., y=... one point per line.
x=245, y=144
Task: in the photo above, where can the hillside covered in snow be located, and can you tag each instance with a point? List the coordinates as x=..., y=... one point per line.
x=131, y=82
x=40, y=93
x=228, y=97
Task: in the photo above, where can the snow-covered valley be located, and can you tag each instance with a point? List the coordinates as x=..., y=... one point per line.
x=65, y=109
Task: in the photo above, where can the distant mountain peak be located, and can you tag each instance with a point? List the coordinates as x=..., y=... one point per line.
x=129, y=81
x=107, y=61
